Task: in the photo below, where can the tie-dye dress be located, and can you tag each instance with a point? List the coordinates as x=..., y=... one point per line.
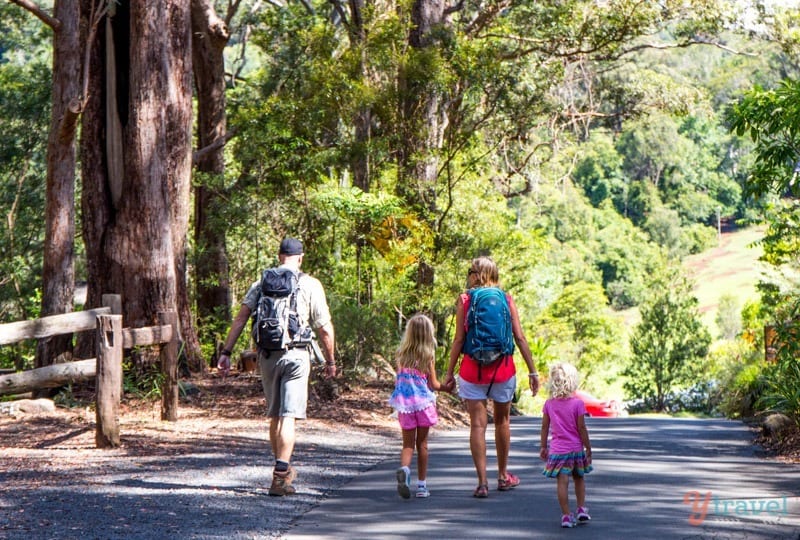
x=411, y=392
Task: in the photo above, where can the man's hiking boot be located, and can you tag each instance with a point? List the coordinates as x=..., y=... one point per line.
x=282, y=483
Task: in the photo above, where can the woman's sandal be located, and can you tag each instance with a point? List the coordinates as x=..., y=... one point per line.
x=481, y=492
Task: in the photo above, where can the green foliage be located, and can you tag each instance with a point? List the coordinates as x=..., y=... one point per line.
x=769, y=117
x=599, y=171
x=365, y=335
x=143, y=381
x=664, y=227
x=67, y=399
x=24, y=114
x=782, y=393
x=783, y=378
x=24, y=117
x=781, y=251
x=580, y=328
x=729, y=319
x=668, y=346
x=742, y=390
x=525, y=118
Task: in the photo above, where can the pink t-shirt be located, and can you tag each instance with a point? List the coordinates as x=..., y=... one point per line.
x=564, y=413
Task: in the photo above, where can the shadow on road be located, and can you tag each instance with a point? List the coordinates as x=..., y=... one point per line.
x=654, y=479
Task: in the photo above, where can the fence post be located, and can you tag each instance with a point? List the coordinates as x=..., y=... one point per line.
x=169, y=368
x=113, y=301
x=108, y=342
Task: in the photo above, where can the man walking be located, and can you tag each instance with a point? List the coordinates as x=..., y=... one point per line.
x=285, y=369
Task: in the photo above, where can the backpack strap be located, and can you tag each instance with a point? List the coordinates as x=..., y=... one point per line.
x=466, y=298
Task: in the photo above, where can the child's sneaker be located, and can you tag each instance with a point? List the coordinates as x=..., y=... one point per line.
x=583, y=515
x=567, y=521
x=423, y=493
x=404, y=482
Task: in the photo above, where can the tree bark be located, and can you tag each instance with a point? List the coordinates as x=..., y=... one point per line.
x=96, y=162
x=179, y=143
x=58, y=272
x=211, y=267
x=362, y=120
x=135, y=245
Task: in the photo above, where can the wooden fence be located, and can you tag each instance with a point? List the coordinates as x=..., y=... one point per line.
x=110, y=340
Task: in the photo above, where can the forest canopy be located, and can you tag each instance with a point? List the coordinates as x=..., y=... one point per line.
x=586, y=146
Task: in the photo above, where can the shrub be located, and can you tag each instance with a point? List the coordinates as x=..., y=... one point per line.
x=739, y=395
x=700, y=398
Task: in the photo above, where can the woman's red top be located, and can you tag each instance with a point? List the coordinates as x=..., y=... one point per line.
x=471, y=372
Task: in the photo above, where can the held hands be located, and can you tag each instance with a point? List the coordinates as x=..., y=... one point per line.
x=449, y=383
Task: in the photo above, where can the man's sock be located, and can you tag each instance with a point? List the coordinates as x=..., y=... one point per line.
x=281, y=466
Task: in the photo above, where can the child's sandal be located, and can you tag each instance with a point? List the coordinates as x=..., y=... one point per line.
x=481, y=492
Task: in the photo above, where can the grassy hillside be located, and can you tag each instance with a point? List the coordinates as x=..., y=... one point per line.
x=732, y=267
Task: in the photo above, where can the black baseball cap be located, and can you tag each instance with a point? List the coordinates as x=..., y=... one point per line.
x=291, y=246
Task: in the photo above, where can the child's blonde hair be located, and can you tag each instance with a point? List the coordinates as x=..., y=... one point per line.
x=563, y=380
x=417, y=349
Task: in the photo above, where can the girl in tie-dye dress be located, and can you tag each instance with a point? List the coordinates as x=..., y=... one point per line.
x=414, y=400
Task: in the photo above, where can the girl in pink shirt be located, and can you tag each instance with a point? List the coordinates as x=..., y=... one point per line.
x=570, y=451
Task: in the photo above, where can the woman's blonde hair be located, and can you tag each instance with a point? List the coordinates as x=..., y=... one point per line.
x=563, y=380
x=417, y=349
x=485, y=271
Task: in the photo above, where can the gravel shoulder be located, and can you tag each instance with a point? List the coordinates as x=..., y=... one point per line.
x=204, y=476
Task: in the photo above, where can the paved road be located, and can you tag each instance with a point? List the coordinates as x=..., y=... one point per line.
x=647, y=473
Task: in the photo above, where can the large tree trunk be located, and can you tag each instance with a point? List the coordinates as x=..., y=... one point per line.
x=135, y=193
x=179, y=143
x=211, y=267
x=423, y=124
x=58, y=274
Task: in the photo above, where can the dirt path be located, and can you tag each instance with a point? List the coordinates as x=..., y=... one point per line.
x=204, y=476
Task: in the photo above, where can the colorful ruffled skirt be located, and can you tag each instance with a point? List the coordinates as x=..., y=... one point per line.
x=570, y=463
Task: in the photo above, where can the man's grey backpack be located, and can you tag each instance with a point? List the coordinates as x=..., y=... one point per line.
x=276, y=325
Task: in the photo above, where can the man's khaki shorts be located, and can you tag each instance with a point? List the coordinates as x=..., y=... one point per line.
x=284, y=377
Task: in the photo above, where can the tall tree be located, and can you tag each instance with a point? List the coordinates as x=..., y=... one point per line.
x=211, y=35
x=58, y=267
x=136, y=157
x=669, y=344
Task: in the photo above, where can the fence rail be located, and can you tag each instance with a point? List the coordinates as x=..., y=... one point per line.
x=110, y=340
